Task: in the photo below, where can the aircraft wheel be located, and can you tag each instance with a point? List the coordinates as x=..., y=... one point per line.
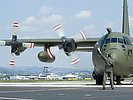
x=118, y=80
x=99, y=80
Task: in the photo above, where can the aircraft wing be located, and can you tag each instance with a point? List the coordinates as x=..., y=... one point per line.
x=89, y=42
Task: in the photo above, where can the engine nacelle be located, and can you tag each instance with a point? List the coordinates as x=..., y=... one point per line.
x=46, y=56
x=19, y=50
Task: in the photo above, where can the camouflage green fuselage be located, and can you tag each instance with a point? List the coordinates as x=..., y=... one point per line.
x=121, y=48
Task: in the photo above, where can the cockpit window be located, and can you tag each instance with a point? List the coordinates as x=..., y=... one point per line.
x=107, y=41
x=120, y=40
x=124, y=40
x=127, y=41
x=102, y=40
x=113, y=40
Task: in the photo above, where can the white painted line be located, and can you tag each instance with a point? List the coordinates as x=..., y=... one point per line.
x=87, y=95
x=61, y=84
x=61, y=94
x=6, y=98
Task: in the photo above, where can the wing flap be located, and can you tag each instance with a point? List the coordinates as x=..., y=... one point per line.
x=84, y=49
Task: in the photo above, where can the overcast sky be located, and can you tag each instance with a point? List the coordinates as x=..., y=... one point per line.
x=37, y=18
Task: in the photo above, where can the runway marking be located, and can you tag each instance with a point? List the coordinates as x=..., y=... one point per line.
x=39, y=90
x=6, y=98
x=87, y=95
x=61, y=94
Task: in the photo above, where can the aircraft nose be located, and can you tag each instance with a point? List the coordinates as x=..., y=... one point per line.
x=117, y=56
x=120, y=60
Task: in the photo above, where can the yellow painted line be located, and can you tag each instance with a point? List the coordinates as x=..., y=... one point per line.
x=57, y=89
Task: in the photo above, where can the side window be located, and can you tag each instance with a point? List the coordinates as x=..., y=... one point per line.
x=127, y=41
x=123, y=47
x=102, y=40
x=120, y=40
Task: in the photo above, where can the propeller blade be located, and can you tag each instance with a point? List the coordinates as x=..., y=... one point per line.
x=28, y=45
x=2, y=43
x=59, y=30
x=83, y=35
x=12, y=59
x=15, y=31
x=74, y=59
x=15, y=28
x=68, y=45
x=80, y=36
x=49, y=53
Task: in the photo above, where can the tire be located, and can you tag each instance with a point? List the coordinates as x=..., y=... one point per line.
x=99, y=79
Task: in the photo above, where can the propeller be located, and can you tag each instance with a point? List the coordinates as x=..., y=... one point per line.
x=15, y=44
x=69, y=45
x=80, y=36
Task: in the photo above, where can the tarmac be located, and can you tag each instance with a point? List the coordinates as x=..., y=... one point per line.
x=64, y=90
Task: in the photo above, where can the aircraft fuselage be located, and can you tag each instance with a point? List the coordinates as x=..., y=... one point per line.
x=121, y=48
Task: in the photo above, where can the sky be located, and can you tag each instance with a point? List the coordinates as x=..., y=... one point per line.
x=37, y=18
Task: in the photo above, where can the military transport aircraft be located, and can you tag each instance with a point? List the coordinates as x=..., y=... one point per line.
x=119, y=44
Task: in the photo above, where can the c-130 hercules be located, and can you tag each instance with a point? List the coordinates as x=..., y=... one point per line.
x=119, y=44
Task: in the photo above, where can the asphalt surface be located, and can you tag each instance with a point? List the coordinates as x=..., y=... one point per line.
x=64, y=90
x=65, y=93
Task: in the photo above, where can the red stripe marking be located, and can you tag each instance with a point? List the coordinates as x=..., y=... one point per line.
x=75, y=60
x=82, y=36
x=12, y=62
x=57, y=25
x=49, y=52
x=58, y=28
x=31, y=45
x=15, y=24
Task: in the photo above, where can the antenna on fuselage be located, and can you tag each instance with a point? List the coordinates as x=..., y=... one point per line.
x=125, y=26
